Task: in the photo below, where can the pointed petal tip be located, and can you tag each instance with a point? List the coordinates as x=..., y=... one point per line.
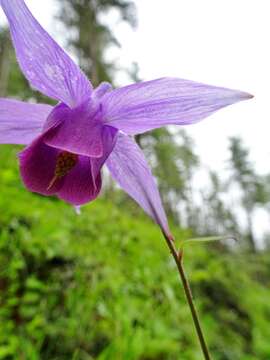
x=235, y=96
x=129, y=168
x=246, y=96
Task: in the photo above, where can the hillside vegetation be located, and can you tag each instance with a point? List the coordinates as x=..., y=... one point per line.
x=102, y=285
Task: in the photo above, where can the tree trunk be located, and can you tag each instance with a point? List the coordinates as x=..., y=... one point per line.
x=250, y=234
x=4, y=66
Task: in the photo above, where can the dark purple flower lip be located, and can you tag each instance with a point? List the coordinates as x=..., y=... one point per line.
x=70, y=143
x=51, y=171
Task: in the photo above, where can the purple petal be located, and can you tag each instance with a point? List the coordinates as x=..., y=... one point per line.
x=129, y=168
x=47, y=67
x=148, y=105
x=79, y=130
x=78, y=187
x=101, y=90
x=37, y=166
x=21, y=122
x=109, y=137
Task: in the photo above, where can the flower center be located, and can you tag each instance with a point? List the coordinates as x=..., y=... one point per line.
x=64, y=163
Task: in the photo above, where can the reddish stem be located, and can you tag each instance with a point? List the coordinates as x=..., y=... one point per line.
x=178, y=257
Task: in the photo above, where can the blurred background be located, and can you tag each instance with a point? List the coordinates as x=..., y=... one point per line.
x=102, y=285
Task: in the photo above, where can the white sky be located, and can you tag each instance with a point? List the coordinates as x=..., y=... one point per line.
x=219, y=42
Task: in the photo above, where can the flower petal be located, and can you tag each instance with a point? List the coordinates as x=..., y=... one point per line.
x=79, y=130
x=109, y=138
x=101, y=90
x=44, y=63
x=21, y=122
x=148, y=105
x=129, y=168
x=78, y=187
x=37, y=166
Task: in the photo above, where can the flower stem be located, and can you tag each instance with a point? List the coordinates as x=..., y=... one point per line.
x=178, y=257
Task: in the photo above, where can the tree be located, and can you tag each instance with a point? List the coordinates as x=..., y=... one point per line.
x=5, y=57
x=218, y=215
x=91, y=37
x=174, y=162
x=251, y=185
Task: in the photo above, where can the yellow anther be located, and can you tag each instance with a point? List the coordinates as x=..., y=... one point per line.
x=64, y=163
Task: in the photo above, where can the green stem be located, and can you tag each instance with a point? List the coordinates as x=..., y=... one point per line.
x=178, y=257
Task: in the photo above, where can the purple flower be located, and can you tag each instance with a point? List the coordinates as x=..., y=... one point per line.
x=68, y=144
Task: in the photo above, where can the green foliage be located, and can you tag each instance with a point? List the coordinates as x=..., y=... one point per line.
x=103, y=285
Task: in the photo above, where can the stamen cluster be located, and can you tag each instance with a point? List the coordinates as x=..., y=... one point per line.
x=65, y=162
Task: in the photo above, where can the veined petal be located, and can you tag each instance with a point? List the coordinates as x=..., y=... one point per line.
x=21, y=122
x=101, y=90
x=129, y=168
x=76, y=130
x=109, y=138
x=44, y=63
x=148, y=105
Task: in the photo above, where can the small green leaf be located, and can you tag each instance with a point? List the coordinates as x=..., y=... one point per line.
x=204, y=240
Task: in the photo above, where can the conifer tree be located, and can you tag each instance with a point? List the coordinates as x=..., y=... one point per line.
x=89, y=37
